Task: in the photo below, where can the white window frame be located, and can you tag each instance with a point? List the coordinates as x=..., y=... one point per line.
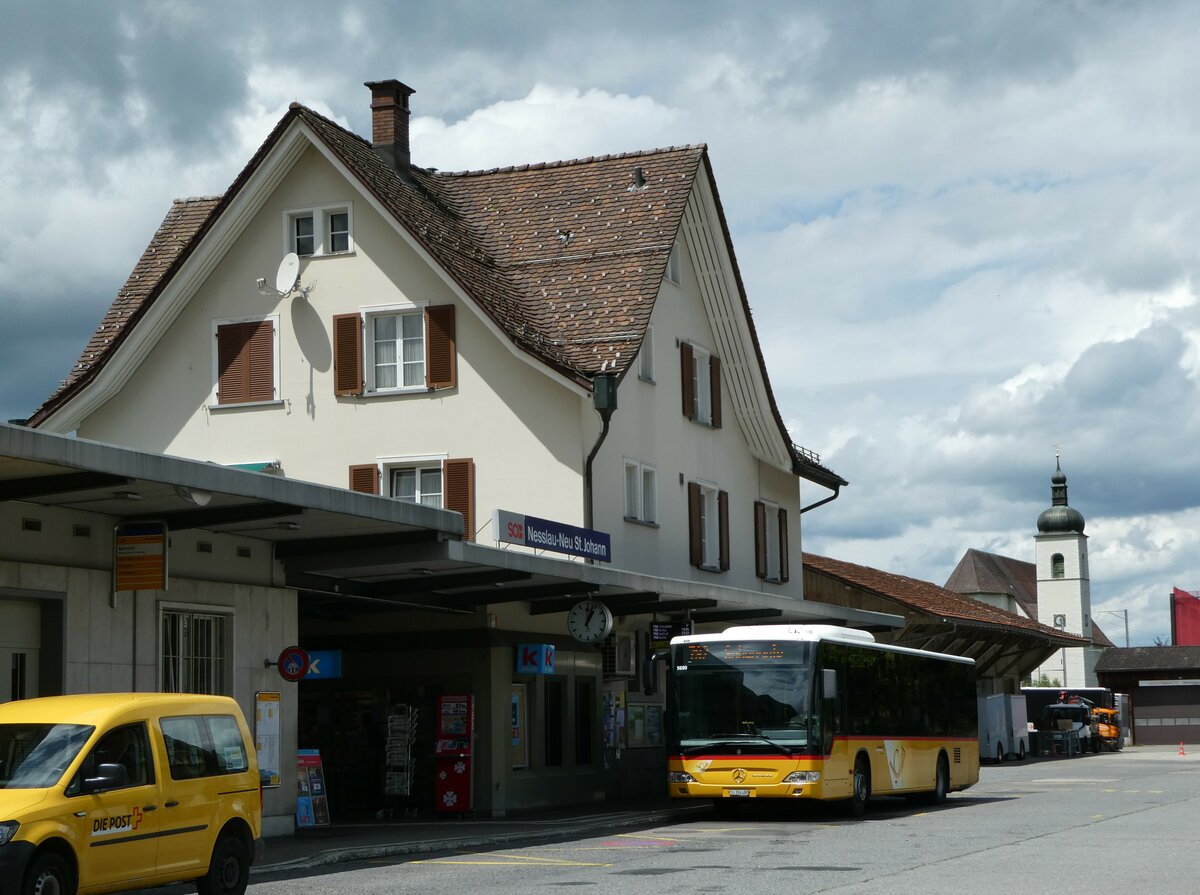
x=227, y=614
x=641, y=492
x=674, y=272
x=321, y=216
x=702, y=384
x=370, y=315
x=710, y=525
x=646, y=357
x=389, y=465
x=771, y=533
x=216, y=363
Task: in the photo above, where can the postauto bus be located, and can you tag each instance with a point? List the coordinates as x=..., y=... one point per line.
x=816, y=712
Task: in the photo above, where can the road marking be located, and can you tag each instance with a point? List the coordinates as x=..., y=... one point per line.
x=516, y=861
x=1077, y=781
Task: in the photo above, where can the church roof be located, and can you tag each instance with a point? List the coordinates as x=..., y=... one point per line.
x=980, y=573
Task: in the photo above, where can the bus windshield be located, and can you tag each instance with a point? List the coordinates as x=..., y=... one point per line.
x=753, y=695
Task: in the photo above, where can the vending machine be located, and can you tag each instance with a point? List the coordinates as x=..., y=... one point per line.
x=453, y=787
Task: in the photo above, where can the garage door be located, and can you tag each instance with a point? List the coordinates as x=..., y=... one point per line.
x=1166, y=716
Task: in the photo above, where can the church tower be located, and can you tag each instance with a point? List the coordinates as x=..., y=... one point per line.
x=1064, y=592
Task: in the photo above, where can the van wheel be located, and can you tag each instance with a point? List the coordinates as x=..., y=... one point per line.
x=229, y=871
x=861, y=788
x=999, y=753
x=1021, y=752
x=49, y=874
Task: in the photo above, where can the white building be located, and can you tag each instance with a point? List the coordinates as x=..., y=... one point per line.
x=447, y=341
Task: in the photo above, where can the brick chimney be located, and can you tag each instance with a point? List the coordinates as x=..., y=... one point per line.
x=389, y=122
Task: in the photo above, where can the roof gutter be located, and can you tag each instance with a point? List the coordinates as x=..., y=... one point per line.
x=837, y=490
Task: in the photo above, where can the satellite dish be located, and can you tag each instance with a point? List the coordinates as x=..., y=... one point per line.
x=288, y=273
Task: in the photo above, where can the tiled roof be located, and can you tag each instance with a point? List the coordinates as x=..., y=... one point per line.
x=990, y=573
x=173, y=235
x=929, y=599
x=1150, y=658
x=566, y=258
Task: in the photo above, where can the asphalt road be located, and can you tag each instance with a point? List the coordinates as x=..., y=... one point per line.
x=1097, y=823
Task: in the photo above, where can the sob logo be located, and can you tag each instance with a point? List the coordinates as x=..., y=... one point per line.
x=117, y=823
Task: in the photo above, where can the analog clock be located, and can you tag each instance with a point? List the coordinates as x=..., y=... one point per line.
x=589, y=621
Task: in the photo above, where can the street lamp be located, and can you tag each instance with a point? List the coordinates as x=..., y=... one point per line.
x=1124, y=613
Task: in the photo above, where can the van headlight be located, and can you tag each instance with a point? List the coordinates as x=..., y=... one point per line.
x=8, y=829
x=803, y=777
x=680, y=777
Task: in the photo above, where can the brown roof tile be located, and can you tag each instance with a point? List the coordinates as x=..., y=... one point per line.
x=929, y=599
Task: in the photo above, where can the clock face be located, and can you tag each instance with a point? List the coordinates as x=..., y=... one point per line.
x=589, y=621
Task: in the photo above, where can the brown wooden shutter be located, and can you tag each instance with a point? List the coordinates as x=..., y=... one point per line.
x=783, y=545
x=365, y=478
x=723, y=524
x=441, y=364
x=760, y=539
x=695, y=539
x=714, y=379
x=458, y=489
x=246, y=362
x=347, y=354
x=686, y=372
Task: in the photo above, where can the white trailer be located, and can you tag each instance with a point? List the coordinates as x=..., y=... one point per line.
x=1003, y=727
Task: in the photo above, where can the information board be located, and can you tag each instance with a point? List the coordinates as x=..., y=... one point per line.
x=312, y=801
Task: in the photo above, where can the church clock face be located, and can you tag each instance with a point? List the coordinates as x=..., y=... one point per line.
x=589, y=621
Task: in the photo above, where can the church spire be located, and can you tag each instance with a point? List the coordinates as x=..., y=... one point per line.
x=1060, y=518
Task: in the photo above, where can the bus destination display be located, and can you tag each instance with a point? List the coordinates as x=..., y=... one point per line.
x=742, y=653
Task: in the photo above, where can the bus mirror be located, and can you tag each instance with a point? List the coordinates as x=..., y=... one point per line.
x=650, y=671
x=829, y=683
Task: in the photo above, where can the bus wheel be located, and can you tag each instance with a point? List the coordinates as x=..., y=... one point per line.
x=862, y=787
x=941, y=783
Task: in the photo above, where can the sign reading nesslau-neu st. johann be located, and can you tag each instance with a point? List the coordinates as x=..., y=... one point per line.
x=558, y=537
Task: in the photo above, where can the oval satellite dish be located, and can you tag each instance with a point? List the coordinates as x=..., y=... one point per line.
x=289, y=272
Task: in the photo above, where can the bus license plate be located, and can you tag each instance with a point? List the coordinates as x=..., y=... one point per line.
x=738, y=793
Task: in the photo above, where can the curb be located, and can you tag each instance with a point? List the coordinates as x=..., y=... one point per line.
x=351, y=853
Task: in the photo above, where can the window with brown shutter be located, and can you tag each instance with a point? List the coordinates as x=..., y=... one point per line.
x=723, y=523
x=459, y=492
x=365, y=478
x=347, y=354
x=695, y=532
x=760, y=539
x=783, y=545
x=246, y=362
x=441, y=364
x=686, y=373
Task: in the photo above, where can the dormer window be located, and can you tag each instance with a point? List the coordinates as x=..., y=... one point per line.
x=325, y=230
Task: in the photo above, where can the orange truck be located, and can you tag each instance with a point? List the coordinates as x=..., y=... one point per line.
x=1107, y=724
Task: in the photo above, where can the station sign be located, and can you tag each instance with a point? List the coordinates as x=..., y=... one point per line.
x=557, y=537
x=140, y=556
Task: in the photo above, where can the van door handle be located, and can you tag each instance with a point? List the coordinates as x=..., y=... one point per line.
x=172, y=804
x=149, y=807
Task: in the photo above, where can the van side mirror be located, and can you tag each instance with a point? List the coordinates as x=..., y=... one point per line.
x=650, y=671
x=107, y=776
x=829, y=683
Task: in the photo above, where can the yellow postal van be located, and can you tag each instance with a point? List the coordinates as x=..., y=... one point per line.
x=113, y=791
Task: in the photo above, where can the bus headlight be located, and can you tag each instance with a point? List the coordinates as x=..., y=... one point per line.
x=680, y=777
x=8, y=830
x=803, y=777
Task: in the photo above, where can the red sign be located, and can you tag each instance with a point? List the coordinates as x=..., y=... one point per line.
x=293, y=663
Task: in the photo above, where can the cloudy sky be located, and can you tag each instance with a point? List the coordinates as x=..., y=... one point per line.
x=968, y=229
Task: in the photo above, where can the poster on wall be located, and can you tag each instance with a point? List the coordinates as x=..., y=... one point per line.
x=613, y=716
x=266, y=738
x=520, y=747
x=312, y=801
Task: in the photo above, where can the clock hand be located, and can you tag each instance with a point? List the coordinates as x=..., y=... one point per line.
x=588, y=620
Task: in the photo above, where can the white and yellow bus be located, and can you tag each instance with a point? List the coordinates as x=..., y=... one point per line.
x=816, y=712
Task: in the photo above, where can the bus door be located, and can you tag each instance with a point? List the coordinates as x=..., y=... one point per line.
x=836, y=774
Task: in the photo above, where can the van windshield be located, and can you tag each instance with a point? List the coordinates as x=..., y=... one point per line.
x=34, y=756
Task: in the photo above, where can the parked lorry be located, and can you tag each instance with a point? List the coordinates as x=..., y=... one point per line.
x=1003, y=727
